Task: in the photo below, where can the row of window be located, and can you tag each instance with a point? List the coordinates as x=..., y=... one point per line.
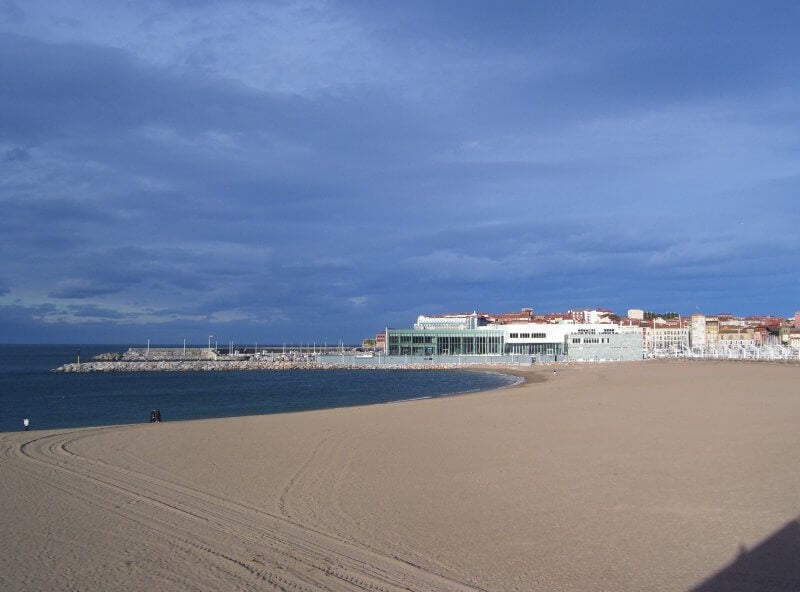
x=427, y=345
x=548, y=349
x=527, y=335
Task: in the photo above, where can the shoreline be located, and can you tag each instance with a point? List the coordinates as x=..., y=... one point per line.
x=522, y=380
x=509, y=377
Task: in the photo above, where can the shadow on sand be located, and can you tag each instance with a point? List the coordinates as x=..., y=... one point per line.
x=771, y=566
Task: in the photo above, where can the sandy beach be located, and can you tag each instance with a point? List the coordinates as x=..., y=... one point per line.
x=630, y=476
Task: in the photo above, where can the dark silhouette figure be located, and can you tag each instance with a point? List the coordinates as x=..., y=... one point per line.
x=158, y=415
x=153, y=416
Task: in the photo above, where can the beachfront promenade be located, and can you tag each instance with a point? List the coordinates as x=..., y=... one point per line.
x=750, y=352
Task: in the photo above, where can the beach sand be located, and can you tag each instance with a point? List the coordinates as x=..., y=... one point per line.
x=630, y=476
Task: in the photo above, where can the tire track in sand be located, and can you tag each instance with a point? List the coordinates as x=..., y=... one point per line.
x=243, y=546
x=328, y=471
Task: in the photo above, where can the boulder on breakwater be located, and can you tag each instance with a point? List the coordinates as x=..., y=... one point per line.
x=233, y=365
x=183, y=366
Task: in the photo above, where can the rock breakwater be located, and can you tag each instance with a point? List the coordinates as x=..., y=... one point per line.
x=234, y=365
x=185, y=366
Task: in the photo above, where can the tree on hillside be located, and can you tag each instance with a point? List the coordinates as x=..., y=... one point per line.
x=649, y=315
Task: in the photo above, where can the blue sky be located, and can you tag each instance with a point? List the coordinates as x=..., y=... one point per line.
x=298, y=171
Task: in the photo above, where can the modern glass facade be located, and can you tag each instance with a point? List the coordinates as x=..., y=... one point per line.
x=443, y=342
x=580, y=342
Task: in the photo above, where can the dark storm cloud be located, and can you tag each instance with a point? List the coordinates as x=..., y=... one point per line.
x=100, y=314
x=11, y=12
x=17, y=153
x=55, y=88
x=20, y=210
x=552, y=63
x=99, y=104
x=17, y=314
x=165, y=170
x=80, y=288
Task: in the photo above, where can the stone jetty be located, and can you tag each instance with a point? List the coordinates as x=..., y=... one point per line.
x=166, y=359
x=172, y=360
x=234, y=365
x=187, y=365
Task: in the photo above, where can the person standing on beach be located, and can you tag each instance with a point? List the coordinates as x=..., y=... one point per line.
x=158, y=415
x=26, y=422
x=153, y=416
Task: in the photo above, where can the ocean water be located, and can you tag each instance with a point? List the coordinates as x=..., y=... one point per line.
x=54, y=400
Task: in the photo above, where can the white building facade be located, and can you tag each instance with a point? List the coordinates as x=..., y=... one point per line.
x=697, y=330
x=543, y=341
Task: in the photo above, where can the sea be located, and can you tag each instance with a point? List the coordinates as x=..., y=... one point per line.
x=50, y=400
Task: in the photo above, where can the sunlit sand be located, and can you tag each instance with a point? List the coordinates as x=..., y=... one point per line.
x=630, y=476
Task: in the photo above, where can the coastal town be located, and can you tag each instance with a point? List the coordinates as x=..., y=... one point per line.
x=468, y=339
x=667, y=334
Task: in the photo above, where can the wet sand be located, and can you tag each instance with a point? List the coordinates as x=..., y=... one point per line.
x=630, y=476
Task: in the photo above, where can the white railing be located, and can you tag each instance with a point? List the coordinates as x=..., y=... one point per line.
x=743, y=352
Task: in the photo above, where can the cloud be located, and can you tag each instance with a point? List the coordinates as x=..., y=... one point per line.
x=358, y=300
x=80, y=288
x=16, y=154
x=91, y=313
x=246, y=167
x=10, y=12
x=287, y=47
